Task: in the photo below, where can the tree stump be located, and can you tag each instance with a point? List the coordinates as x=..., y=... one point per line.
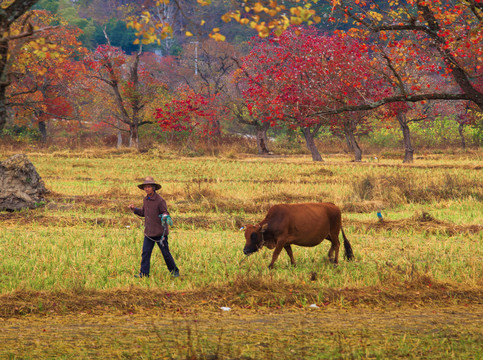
x=20, y=184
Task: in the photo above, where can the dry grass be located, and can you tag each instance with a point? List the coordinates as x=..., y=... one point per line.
x=393, y=190
x=83, y=247
x=420, y=222
x=246, y=292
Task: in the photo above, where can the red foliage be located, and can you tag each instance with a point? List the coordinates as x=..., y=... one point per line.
x=106, y=57
x=303, y=72
x=188, y=112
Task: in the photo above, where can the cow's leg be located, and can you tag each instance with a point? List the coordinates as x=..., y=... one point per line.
x=278, y=248
x=288, y=249
x=334, y=248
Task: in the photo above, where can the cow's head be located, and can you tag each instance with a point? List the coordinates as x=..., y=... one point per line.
x=253, y=237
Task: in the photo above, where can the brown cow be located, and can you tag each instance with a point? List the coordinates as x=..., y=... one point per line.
x=298, y=224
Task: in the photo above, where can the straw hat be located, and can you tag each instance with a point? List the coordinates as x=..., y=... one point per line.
x=149, y=181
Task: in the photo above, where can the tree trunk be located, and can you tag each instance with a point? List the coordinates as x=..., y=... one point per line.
x=309, y=141
x=262, y=139
x=353, y=144
x=357, y=150
x=43, y=131
x=119, y=139
x=3, y=108
x=130, y=118
x=4, y=82
x=348, y=142
x=408, y=149
x=133, y=136
x=119, y=134
x=135, y=104
x=462, y=135
x=216, y=128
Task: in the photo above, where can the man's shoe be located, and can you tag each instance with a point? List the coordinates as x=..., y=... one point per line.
x=175, y=274
x=141, y=275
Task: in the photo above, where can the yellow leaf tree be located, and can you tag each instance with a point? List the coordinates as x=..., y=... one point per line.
x=11, y=11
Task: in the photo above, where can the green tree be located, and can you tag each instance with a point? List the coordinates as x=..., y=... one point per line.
x=66, y=10
x=118, y=34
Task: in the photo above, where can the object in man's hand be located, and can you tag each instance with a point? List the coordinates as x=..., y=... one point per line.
x=166, y=219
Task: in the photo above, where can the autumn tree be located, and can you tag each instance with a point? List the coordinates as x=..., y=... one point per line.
x=275, y=76
x=47, y=65
x=242, y=107
x=11, y=12
x=440, y=37
x=450, y=30
x=207, y=68
x=129, y=87
x=258, y=105
x=188, y=112
x=302, y=72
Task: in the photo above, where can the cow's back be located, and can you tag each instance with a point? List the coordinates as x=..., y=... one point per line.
x=304, y=224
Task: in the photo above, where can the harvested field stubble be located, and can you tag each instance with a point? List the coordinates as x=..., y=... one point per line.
x=306, y=334
x=74, y=259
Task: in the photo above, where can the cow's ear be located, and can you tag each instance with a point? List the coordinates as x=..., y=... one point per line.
x=264, y=227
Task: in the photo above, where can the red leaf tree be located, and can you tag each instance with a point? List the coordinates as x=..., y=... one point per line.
x=189, y=112
x=304, y=72
x=434, y=36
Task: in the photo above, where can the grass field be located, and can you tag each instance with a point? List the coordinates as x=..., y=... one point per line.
x=414, y=290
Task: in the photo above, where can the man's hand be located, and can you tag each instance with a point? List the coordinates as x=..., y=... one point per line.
x=131, y=206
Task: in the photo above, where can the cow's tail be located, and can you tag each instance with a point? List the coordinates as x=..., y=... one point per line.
x=349, y=254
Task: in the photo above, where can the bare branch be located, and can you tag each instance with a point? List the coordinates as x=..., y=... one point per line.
x=394, y=99
x=15, y=10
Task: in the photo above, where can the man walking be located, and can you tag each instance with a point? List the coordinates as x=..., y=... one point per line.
x=156, y=230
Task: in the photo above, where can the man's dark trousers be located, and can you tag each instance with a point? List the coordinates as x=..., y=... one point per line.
x=147, y=251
